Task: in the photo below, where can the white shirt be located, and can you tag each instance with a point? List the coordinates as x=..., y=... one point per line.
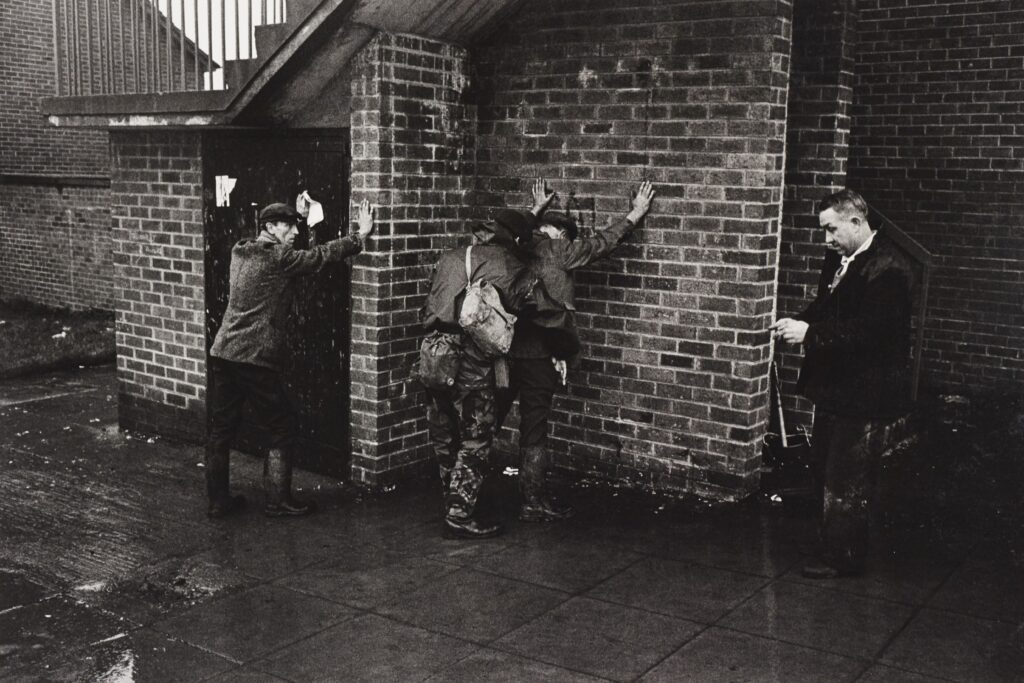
x=845, y=262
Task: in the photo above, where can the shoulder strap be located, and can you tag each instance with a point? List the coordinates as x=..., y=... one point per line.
x=469, y=269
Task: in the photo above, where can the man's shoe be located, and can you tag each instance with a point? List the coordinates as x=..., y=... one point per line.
x=290, y=507
x=543, y=510
x=222, y=507
x=470, y=528
x=819, y=569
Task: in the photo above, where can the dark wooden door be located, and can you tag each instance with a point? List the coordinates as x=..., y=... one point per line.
x=275, y=166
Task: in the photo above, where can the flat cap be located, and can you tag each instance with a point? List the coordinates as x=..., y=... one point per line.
x=279, y=212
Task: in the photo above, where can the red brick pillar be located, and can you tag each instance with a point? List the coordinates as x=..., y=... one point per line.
x=409, y=138
x=817, y=148
x=157, y=212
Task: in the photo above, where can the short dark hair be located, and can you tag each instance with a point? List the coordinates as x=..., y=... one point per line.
x=845, y=200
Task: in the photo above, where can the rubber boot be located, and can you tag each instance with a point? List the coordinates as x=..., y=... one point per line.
x=218, y=493
x=458, y=526
x=537, y=507
x=278, y=483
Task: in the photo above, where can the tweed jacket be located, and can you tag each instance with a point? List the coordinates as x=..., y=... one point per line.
x=261, y=293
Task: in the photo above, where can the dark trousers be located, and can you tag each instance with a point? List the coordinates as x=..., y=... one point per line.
x=847, y=454
x=232, y=385
x=534, y=381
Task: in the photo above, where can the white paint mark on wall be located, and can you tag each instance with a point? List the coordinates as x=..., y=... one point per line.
x=587, y=77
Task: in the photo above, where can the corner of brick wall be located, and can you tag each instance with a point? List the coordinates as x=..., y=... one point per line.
x=672, y=392
x=409, y=137
x=156, y=206
x=817, y=146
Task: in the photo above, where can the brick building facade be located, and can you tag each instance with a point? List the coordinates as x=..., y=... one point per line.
x=54, y=182
x=937, y=143
x=743, y=115
x=692, y=96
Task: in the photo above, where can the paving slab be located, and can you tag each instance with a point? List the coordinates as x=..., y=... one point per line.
x=599, y=638
x=501, y=667
x=365, y=577
x=367, y=648
x=952, y=646
x=564, y=564
x=251, y=624
x=820, y=618
x=680, y=589
x=721, y=656
x=473, y=605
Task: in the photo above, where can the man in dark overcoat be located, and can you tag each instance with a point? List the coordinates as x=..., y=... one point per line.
x=856, y=338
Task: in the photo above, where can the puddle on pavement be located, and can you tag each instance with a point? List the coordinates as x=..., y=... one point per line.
x=190, y=580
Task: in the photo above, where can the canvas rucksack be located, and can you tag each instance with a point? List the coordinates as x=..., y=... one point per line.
x=483, y=317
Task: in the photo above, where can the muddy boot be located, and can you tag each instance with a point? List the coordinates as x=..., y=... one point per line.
x=458, y=525
x=278, y=483
x=537, y=506
x=218, y=494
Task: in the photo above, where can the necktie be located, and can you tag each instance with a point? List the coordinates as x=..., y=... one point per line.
x=838, y=277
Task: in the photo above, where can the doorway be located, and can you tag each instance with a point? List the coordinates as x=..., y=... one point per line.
x=261, y=167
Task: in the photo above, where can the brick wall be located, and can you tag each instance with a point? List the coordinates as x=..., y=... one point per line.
x=409, y=138
x=817, y=141
x=55, y=245
x=936, y=145
x=54, y=238
x=156, y=199
x=29, y=143
x=595, y=96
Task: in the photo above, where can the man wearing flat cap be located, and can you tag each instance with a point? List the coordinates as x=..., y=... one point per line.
x=249, y=350
x=555, y=251
x=460, y=417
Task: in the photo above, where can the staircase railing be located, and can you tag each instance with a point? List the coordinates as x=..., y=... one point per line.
x=922, y=259
x=105, y=47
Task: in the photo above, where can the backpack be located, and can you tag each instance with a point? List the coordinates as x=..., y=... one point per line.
x=439, y=361
x=483, y=317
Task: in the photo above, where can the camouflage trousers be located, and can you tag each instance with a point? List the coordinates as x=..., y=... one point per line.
x=847, y=453
x=461, y=431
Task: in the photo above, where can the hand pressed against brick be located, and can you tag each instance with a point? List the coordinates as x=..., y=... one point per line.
x=247, y=353
x=856, y=337
x=538, y=364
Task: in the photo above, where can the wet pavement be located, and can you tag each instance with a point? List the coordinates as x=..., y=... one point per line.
x=110, y=571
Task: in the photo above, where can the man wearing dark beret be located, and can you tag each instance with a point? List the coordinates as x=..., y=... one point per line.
x=249, y=349
x=538, y=365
